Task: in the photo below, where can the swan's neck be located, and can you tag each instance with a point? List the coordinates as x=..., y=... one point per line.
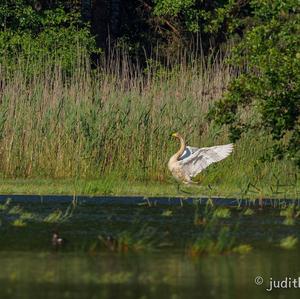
x=182, y=148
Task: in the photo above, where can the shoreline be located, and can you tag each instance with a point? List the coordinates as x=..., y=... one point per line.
x=111, y=187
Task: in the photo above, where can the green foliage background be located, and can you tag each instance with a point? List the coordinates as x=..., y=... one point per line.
x=53, y=34
x=270, y=84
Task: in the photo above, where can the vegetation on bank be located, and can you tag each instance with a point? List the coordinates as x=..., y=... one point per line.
x=115, y=186
x=114, y=123
x=106, y=128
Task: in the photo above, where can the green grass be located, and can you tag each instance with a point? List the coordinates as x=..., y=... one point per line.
x=131, y=188
x=23, y=216
x=106, y=131
x=289, y=242
x=140, y=237
x=214, y=236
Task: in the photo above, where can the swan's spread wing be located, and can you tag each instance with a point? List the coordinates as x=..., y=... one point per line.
x=187, y=152
x=203, y=157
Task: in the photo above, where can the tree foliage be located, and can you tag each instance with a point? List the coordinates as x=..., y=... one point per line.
x=213, y=20
x=266, y=96
x=30, y=32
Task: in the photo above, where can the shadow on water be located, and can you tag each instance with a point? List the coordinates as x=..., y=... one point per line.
x=154, y=260
x=152, y=201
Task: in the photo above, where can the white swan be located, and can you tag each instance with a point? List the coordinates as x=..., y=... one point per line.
x=189, y=161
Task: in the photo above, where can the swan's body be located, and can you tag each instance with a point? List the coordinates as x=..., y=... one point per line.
x=189, y=161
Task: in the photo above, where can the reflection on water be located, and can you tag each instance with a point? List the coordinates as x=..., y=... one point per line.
x=66, y=275
x=32, y=268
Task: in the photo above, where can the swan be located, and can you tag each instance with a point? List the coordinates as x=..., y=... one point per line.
x=189, y=161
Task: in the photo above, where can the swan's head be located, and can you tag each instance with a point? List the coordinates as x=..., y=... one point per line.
x=176, y=135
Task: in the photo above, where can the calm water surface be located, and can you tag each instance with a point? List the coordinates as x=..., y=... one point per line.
x=30, y=267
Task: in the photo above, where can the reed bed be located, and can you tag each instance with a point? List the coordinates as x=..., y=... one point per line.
x=115, y=121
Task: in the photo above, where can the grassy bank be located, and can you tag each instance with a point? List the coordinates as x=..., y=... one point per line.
x=106, y=131
x=133, y=188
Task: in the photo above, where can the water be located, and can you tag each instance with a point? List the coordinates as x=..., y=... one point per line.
x=85, y=267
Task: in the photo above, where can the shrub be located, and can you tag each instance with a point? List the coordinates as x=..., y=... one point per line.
x=266, y=95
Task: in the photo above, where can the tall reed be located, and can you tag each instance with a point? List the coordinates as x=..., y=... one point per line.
x=114, y=120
